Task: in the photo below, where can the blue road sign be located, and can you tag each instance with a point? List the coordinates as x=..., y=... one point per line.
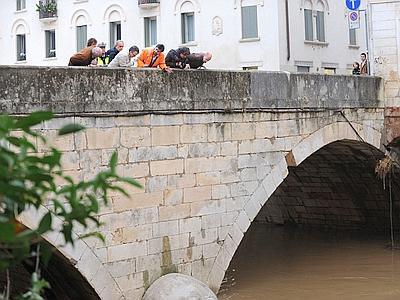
x=353, y=4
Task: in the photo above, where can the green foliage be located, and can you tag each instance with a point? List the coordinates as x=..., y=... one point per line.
x=28, y=179
x=49, y=6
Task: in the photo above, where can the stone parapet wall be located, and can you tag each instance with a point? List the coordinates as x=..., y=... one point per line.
x=99, y=90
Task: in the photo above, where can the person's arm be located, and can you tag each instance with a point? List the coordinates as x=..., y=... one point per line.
x=161, y=63
x=124, y=60
x=141, y=59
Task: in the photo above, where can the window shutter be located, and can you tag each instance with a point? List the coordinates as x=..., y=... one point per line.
x=352, y=37
x=249, y=22
x=308, y=25
x=81, y=37
x=153, y=31
x=320, y=26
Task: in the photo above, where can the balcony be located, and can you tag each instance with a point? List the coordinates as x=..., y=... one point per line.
x=47, y=11
x=148, y=3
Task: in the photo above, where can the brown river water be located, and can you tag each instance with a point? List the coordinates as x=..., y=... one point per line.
x=275, y=262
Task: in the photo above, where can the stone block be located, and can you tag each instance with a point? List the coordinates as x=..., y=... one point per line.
x=173, y=197
x=138, y=201
x=156, y=183
x=205, y=118
x=148, y=262
x=166, y=167
x=70, y=161
x=136, y=233
x=166, y=228
x=181, y=181
x=165, y=135
x=131, y=281
x=166, y=120
x=228, y=218
x=193, y=133
x=220, y=191
x=243, y=221
x=266, y=129
x=208, y=178
x=210, y=207
x=126, y=251
x=211, y=221
x=98, y=138
x=135, y=137
x=132, y=121
x=243, y=131
x=219, y=132
x=211, y=250
x=153, y=153
x=229, y=148
x=196, y=194
x=203, y=150
x=134, y=170
x=190, y=225
x=122, y=268
x=175, y=212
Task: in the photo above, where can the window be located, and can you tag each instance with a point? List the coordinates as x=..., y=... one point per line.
x=115, y=32
x=187, y=27
x=21, y=4
x=314, y=21
x=150, y=31
x=21, y=47
x=50, y=36
x=352, y=37
x=308, y=22
x=81, y=37
x=320, y=24
x=329, y=71
x=303, y=69
x=249, y=22
x=250, y=68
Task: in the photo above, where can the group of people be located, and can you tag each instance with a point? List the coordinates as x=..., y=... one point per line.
x=153, y=57
x=361, y=68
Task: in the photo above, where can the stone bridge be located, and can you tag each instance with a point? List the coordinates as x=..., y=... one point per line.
x=214, y=151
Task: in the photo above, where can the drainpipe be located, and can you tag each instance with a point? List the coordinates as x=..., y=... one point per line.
x=287, y=30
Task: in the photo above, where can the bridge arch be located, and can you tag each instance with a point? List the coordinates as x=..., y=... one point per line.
x=334, y=132
x=82, y=257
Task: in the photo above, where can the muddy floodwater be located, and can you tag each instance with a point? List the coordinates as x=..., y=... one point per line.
x=288, y=263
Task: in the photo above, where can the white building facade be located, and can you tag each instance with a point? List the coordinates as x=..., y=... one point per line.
x=274, y=35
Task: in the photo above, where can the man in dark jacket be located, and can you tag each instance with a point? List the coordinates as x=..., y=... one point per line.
x=86, y=57
x=177, y=58
x=196, y=60
x=111, y=53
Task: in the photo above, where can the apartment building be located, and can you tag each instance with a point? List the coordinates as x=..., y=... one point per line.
x=273, y=35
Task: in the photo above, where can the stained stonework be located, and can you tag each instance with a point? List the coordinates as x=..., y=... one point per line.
x=209, y=156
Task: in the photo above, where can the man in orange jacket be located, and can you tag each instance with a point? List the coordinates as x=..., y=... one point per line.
x=153, y=58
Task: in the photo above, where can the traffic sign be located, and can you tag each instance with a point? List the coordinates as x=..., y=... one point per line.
x=354, y=19
x=353, y=4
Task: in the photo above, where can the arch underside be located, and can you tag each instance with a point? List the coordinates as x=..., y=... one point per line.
x=336, y=187
x=66, y=282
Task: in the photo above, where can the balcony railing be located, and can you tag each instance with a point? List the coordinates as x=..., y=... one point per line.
x=148, y=3
x=47, y=15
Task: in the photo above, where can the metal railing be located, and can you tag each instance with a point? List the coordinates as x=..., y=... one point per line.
x=46, y=15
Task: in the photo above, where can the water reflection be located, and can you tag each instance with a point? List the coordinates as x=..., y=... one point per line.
x=289, y=263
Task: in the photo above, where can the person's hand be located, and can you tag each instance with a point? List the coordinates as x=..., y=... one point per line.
x=187, y=66
x=168, y=70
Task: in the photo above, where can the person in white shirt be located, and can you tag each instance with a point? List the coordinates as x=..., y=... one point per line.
x=124, y=59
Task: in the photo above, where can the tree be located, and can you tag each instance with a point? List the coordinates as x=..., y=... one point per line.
x=28, y=180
